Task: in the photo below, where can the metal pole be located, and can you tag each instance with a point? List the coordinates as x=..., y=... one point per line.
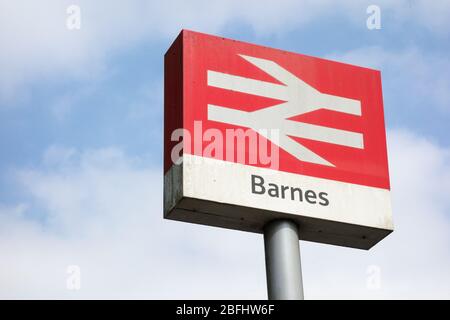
x=283, y=269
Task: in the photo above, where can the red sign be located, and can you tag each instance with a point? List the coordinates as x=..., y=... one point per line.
x=254, y=134
x=330, y=114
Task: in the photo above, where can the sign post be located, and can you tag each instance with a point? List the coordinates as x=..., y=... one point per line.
x=274, y=142
x=283, y=267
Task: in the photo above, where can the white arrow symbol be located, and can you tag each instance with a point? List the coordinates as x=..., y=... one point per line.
x=300, y=98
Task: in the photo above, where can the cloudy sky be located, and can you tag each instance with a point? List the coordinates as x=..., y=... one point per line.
x=81, y=150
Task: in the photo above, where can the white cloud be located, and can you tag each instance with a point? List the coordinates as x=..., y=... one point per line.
x=101, y=210
x=414, y=260
x=37, y=46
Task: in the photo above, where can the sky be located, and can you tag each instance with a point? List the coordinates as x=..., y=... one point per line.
x=81, y=150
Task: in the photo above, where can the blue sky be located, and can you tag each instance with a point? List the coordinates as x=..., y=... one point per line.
x=81, y=140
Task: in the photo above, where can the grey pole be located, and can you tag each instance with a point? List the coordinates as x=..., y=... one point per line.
x=283, y=269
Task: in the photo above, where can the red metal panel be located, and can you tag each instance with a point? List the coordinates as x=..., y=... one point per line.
x=173, y=96
x=201, y=52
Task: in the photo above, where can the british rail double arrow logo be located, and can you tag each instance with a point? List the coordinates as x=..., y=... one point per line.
x=299, y=98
